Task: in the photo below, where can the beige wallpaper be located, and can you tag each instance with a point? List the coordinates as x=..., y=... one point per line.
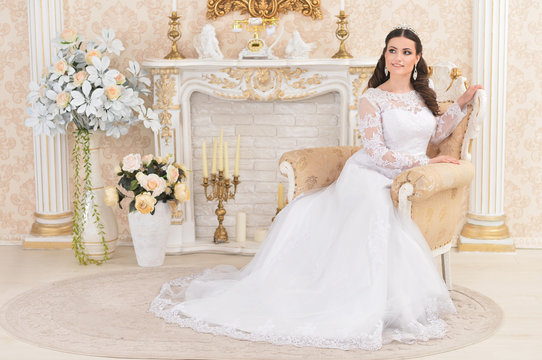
x=445, y=28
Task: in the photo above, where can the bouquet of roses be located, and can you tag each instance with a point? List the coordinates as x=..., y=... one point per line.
x=150, y=179
x=81, y=87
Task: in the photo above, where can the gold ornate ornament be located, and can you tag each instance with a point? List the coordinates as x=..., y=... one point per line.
x=164, y=91
x=220, y=187
x=174, y=34
x=264, y=84
x=266, y=9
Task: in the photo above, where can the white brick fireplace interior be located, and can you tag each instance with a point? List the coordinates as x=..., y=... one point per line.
x=267, y=129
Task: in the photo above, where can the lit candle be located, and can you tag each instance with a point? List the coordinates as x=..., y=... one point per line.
x=173, y=5
x=236, y=168
x=342, y=5
x=213, y=162
x=205, y=171
x=241, y=227
x=226, y=162
x=281, y=196
x=221, y=151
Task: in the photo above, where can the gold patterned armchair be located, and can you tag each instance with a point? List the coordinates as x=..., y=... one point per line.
x=434, y=195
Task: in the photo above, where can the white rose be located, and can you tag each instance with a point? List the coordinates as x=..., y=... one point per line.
x=181, y=192
x=131, y=162
x=68, y=35
x=172, y=174
x=142, y=179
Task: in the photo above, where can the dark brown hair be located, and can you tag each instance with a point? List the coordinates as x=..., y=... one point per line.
x=421, y=84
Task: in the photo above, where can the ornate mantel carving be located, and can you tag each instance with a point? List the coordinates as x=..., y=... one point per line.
x=263, y=8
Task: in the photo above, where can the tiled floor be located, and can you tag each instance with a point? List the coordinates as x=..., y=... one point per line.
x=514, y=281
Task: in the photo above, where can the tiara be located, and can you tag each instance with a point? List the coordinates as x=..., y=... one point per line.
x=406, y=27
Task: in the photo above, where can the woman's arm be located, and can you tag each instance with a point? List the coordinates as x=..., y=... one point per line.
x=447, y=122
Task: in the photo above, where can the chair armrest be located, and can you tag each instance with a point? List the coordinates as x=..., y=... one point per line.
x=313, y=168
x=429, y=180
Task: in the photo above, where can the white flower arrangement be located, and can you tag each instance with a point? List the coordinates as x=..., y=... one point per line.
x=150, y=179
x=81, y=87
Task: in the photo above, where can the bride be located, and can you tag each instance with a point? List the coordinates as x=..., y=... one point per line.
x=340, y=268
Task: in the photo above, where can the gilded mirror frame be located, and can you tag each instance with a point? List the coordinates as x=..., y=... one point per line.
x=263, y=8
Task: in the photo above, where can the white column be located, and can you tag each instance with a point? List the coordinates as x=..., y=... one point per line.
x=485, y=229
x=53, y=217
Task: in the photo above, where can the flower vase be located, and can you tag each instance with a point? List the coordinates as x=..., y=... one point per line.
x=93, y=207
x=150, y=234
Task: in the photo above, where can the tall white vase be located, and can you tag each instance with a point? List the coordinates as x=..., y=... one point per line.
x=91, y=238
x=150, y=234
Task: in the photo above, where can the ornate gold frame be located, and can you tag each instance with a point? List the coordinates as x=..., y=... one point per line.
x=263, y=8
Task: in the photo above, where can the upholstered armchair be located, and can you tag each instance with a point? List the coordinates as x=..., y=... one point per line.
x=434, y=195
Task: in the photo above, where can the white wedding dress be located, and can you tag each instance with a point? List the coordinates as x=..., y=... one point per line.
x=340, y=268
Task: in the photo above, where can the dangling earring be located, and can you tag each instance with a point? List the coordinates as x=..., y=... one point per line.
x=415, y=74
x=386, y=72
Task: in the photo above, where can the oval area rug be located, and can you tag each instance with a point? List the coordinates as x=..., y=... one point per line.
x=106, y=315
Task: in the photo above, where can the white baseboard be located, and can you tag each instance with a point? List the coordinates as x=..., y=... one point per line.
x=126, y=240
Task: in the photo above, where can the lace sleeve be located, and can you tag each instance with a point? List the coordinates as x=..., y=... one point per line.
x=373, y=141
x=447, y=122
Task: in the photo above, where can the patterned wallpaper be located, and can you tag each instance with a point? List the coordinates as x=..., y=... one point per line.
x=445, y=28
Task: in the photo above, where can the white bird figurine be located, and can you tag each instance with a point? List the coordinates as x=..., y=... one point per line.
x=297, y=48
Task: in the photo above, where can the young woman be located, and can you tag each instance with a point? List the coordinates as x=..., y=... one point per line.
x=340, y=267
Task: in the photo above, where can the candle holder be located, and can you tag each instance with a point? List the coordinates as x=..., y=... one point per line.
x=342, y=34
x=220, y=191
x=174, y=34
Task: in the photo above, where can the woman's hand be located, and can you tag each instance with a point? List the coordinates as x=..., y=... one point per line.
x=468, y=95
x=444, y=159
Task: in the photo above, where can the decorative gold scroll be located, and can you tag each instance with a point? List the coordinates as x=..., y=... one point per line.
x=263, y=8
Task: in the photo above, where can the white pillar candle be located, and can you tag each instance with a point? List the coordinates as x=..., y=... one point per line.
x=241, y=227
x=173, y=5
x=213, y=161
x=204, y=154
x=237, y=149
x=260, y=234
x=221, y=151
x=226, y=162
x=342, y=5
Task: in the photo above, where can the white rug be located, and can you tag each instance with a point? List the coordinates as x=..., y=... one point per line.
x=106, y=315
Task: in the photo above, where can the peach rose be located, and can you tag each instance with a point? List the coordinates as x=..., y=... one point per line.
x=147, y=159
x=181, y=192
x=68, y=35
x=112, y=92
x=63, y=99
x=60, y=67
x=144, y=203
x=79, y=78
x=172, y=174
x=156, y=184
x=91, y=54
x=131, y=162
x=111, y=196
x=120, y=79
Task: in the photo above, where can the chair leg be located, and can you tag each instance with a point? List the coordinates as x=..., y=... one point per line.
x=446, y=269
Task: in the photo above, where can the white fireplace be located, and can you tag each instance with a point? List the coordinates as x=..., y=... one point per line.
x=275, y=105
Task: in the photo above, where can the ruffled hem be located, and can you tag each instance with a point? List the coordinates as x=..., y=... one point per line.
x=163, y=307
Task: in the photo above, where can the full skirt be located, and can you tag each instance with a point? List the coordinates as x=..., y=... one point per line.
x=340, y=268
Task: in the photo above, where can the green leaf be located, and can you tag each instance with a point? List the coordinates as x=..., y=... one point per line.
x=133, y=185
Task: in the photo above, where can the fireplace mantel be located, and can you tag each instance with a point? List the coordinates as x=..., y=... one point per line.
x=174, y=81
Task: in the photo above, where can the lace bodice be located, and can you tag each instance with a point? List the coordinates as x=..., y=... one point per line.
x=396, y=129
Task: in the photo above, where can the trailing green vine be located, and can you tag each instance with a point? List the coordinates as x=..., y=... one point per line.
x=83, y=197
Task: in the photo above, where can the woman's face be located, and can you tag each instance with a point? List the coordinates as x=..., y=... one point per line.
x=401, y=56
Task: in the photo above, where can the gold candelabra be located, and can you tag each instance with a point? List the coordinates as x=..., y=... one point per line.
x=221, y=192
x=342, y=34
x=174, y=34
